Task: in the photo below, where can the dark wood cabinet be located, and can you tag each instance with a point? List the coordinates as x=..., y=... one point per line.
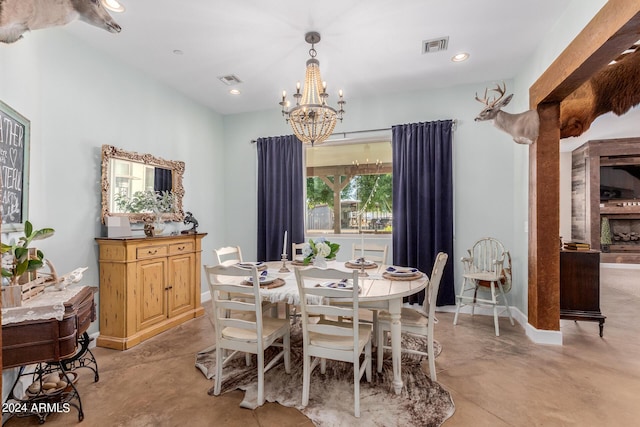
x=580, y=286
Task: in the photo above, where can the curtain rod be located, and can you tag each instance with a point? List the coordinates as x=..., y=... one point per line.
x=344, y=134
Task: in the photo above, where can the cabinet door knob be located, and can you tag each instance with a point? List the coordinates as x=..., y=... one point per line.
x=152, y=252
x=168, y=287
x=181, y=248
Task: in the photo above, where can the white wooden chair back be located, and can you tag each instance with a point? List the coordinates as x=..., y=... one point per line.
x=372, y=252
x=228, y=255
x=429, y=303
x=239, y=324
x=233, y=303
x=328, y=339
x=487, y=255
x=316, y=301
x=296, y=250
x=490, y=256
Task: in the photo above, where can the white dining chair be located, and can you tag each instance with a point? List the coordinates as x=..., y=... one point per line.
x=296, y=250
x=228, y=255
x=329, y=339
x=240, y=324
x=370, y=251
x=487, y=269
x=416, y=321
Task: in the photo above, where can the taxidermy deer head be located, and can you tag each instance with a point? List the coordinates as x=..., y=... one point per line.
x=522, y=127
x=19, y=16
x=615, y=88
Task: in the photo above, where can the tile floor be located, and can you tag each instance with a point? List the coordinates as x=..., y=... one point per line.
x=495, y=381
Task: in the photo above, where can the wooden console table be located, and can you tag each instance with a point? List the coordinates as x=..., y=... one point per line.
x=580, y=286
x=147, y=286
x=49, y=331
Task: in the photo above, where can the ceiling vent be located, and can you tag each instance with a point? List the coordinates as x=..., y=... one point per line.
x=230, y=80
x=435, y=45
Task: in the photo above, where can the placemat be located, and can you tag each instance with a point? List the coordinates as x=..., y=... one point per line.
x=297, y=262
x=359, y=266
x=275, y=284
x=388, y=276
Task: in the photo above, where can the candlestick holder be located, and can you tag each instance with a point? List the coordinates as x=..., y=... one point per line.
x=284, y=268
x=362, y=272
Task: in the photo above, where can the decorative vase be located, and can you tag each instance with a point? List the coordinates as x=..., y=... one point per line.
x=320, y=261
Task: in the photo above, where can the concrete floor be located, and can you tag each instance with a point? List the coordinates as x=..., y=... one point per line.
x=494, y=381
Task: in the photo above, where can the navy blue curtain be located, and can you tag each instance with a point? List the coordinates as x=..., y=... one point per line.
x=162, y=179
x=423, y=200
x=280, y=195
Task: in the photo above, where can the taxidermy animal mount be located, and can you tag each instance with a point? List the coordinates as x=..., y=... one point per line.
x=19, y=16
x=522, y=127
x=615, y=88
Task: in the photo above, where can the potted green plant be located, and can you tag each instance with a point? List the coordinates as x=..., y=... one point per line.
x=24, y=259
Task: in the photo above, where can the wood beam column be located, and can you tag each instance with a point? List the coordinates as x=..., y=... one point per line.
x=544, y=222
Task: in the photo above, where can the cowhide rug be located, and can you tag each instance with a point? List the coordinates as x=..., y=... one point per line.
x=421, y=403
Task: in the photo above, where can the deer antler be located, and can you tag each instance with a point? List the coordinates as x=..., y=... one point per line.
x=484, y=100
x=491, y=102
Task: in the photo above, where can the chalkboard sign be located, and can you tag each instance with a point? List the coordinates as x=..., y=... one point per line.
x=14, y=167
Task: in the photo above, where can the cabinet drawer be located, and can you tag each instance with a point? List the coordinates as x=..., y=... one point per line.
x=151, y=251
x=180, y=248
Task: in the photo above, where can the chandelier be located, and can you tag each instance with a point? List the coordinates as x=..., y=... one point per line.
x=312, y=120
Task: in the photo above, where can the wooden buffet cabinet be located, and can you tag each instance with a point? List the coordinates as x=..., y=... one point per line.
x=147, y=285
x=580, y=286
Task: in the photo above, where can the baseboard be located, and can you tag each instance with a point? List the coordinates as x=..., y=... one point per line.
x=93, y=337
x=538, y=336
x=205, y=296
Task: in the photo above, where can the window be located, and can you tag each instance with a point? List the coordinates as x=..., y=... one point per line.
x=348, y=187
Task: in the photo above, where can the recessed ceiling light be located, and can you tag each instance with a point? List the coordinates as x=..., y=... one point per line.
x=113, y=5
x=459, y=57
x=234, y=92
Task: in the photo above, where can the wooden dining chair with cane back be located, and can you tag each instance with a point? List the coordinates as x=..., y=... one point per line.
x=240, y=324
x=414, y=321
x=487, y=269
x=331, y=339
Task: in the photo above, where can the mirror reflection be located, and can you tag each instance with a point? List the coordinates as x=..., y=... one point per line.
x=137, y=185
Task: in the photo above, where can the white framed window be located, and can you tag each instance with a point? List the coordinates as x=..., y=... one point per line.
x=349, y=187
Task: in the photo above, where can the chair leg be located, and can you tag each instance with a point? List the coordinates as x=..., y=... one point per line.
x=286, y=344
x=356, y=386
x=367, y=357
x=247, y=359
x=459, y=302
x=260, y=378
x=374, y=335
x=323, y=366
x=219, y=361
x=306, y=379
x=432, y=359
x=506, y=303
x=495, y=308
x=380, y=349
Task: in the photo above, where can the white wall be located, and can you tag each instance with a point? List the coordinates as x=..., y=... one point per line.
x=482, y=159
x=77, y=100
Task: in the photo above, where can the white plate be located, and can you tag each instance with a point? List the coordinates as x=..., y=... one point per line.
x=337, y=285
x=402, y=271
x=251, y=264
x=264, y=280
x=358, y=262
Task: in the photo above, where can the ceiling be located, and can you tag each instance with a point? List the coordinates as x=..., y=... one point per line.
x=368, y=47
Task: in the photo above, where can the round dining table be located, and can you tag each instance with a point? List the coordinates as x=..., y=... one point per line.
x=379, y=292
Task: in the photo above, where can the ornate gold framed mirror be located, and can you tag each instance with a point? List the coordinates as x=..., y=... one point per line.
x=128, y=175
